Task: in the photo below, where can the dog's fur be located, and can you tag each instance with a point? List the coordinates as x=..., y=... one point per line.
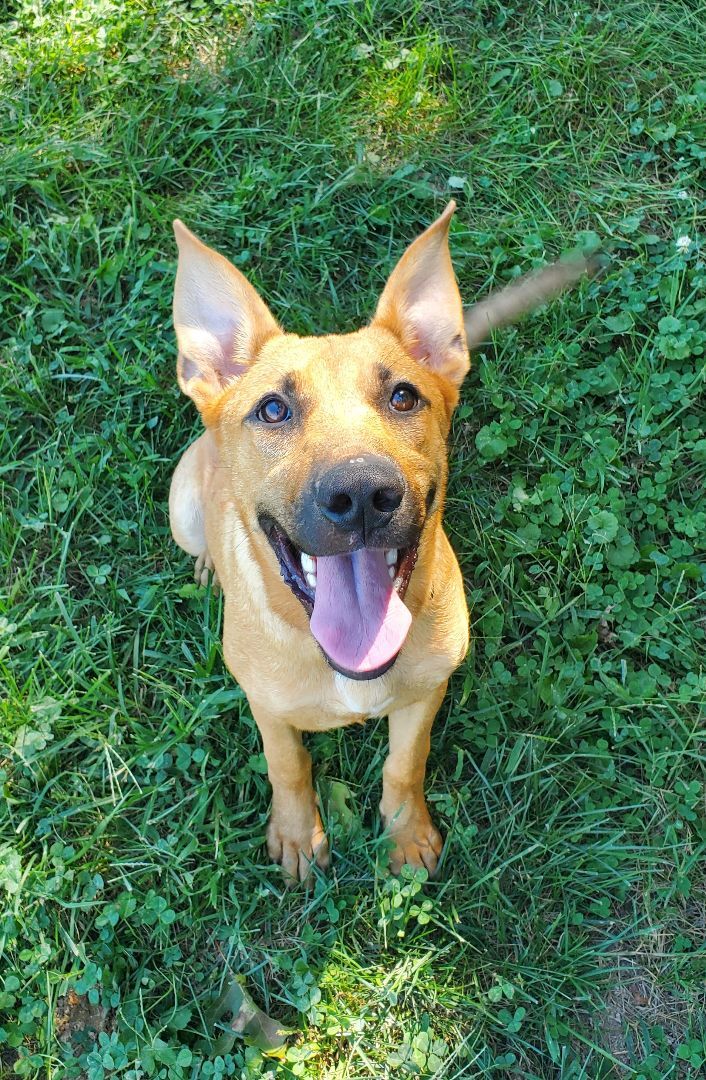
x=242, y=472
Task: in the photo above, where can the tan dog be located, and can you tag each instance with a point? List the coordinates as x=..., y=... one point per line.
x=316, y=493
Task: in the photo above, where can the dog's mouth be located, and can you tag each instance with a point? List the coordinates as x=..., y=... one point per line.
x=354, y=601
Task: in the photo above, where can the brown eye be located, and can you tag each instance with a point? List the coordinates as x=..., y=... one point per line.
x=404, y=398
x=274, y=411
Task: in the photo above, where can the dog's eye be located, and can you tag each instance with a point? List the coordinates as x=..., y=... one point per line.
x=274, y=411
x=404, y=398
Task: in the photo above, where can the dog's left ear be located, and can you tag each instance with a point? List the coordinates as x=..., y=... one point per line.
x=421, y=304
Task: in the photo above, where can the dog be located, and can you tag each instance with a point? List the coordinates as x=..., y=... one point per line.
x=316, y=496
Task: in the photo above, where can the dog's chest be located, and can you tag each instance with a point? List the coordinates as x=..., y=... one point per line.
x=362, y=699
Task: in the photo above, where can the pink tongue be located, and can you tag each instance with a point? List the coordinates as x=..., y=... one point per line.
x=359, y=620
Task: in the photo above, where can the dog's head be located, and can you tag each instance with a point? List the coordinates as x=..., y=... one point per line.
x=334, y=447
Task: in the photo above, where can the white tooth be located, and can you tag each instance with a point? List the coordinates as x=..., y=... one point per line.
x=391, y=556
x=391, y=572
x=311, y=579
x=308, y=563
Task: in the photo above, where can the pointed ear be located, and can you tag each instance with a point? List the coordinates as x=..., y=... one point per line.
x=220, y=321
x=421, y=303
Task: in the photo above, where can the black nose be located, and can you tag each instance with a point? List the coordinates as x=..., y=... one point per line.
x=360, y=494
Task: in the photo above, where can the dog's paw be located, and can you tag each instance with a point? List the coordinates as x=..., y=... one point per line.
x=203, y=567
x=297, y=849
x=418, y=843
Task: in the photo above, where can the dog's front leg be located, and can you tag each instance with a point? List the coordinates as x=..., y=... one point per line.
x=295, y=835
x=403, y=808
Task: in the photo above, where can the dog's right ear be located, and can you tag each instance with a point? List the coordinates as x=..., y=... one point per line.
x=220, y=321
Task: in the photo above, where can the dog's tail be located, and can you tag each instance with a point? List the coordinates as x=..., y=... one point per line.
x=507, y=305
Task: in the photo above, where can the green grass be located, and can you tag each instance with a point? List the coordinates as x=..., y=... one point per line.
x=565, y=935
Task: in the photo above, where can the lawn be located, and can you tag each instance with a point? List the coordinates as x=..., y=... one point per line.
x=565, y=935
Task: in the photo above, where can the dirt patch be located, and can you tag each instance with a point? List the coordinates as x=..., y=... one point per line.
x=639, y=994
x=76, y=1020
x=7, y=1062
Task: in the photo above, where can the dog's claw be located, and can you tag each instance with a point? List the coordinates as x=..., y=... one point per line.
x=417, y=845
x=203, y=568
x=298, y=854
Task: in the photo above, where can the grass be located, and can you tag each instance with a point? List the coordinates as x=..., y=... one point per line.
x=564, y=936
